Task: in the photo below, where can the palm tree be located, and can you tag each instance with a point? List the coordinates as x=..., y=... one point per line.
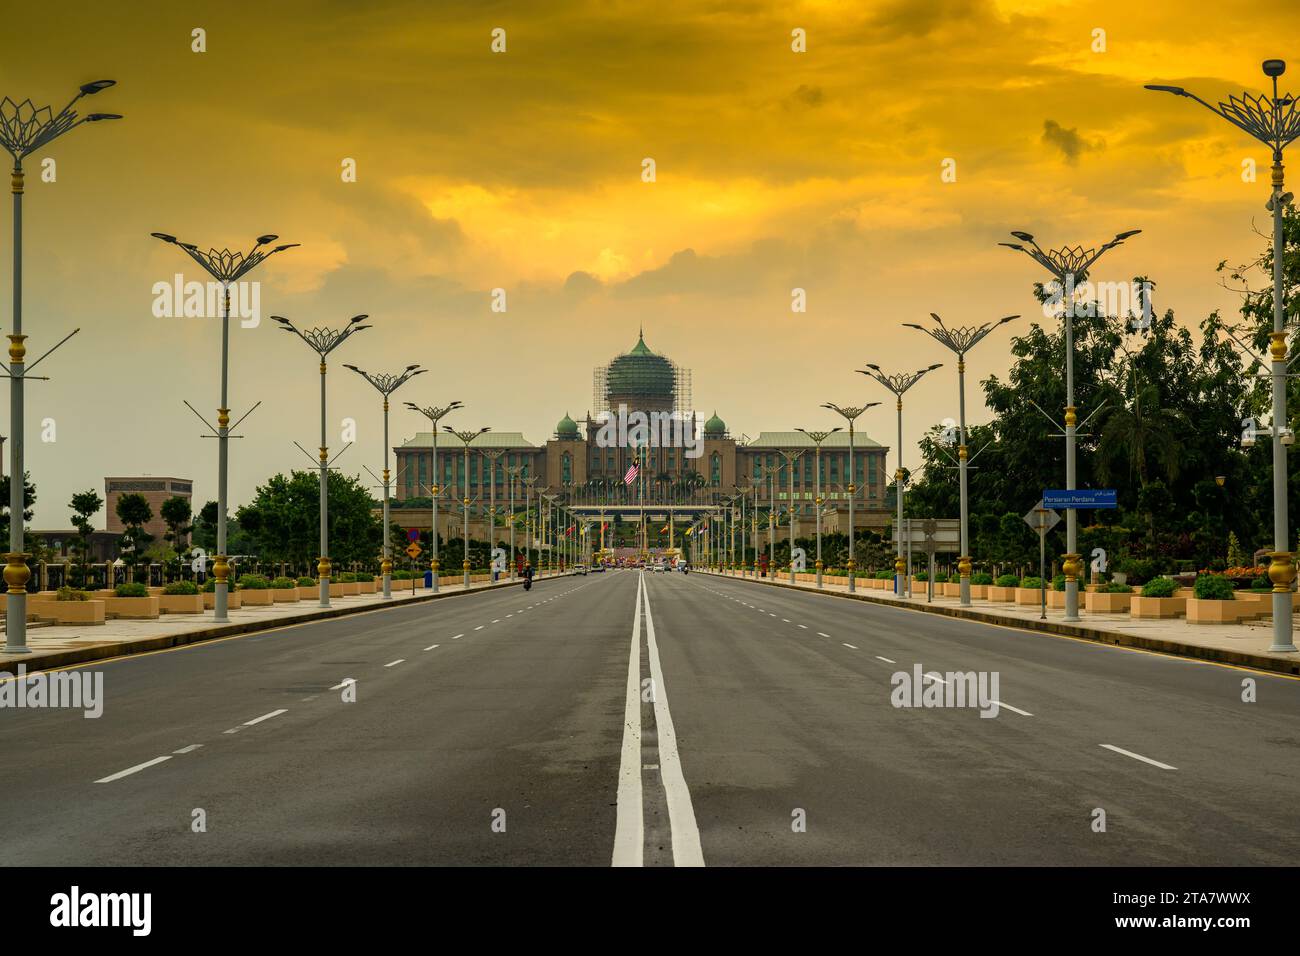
x=1144, y=434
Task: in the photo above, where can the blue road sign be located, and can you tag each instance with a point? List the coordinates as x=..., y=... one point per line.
x=1081, y=498
x=412, y=535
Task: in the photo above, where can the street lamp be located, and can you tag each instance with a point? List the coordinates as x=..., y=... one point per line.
x=899, y=383
x=435, y=414
x=24, y=129
x=1275, y=122
x=817, y=439
x=1068, y=265
x=961, y=340
x=491, y=457
x=323, y=341
x=850, y=413
x=790, y=458
x=466, y=437
x=226, y=267
x=386, y=384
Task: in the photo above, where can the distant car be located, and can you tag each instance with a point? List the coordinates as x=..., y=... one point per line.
x=598, y=569
x=660, y=567
x=580, y=569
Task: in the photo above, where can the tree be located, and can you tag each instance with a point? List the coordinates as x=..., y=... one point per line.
x=175, y=512
x=134, y=512
x=282, y=521
x=29, y=499
x=84, y=506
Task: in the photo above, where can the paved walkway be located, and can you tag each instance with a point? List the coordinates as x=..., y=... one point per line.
x=1245, y=644
x=61, y=645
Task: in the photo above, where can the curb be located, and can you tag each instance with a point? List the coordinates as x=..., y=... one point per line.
x=1216, y=655
x=47, y=660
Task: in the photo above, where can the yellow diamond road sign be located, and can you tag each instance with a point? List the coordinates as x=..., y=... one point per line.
x=413, y=550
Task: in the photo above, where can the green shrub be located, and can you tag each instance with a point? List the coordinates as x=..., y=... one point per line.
x=1159, y=588
x=1139, y=570
x=306, y=582
x=181, y=587
x=402, y=575
x=1058, y=582
x=131, y=590
x=365, y=577
x=981, y=577
x=70, y=594
x=281, y=584
x=1007, y=581
x=1213, y=587
x=1261, y=583
x=1113, y=588
x=210, y=585
x=922, y=576
x=884, y=575
x=1032, y=582
x=253, y=582
x=347, y=577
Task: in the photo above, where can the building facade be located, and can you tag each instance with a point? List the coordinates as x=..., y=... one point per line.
x=154, y=490
x=586, y=463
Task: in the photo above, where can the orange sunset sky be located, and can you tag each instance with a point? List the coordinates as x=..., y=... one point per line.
x=522, y=170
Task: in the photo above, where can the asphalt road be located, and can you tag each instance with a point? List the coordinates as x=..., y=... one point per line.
x=653, y=719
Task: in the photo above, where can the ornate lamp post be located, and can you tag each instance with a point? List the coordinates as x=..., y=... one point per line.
x=529, y=526
x=466, y=437
x=850, y=413
x=961, y=340
x=790, y=458
x=1069, y=265
x=324, y=341
x=435, y=414
x=24, y=129
x=386, y=384
x=1275, y=122
x=899, y=383
x=817, y=439
x=512, y=473
x=225, y=267
x=490, y=457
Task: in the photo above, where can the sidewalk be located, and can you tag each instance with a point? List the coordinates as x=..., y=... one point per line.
x=62, y=645
x=1245, y=644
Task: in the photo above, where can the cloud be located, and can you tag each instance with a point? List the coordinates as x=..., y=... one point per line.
x=1067, y=141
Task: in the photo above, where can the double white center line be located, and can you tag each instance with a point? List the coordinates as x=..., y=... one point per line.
x=629, y=830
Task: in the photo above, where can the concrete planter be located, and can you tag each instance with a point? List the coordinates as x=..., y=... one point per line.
x=1254, y=605
x=1153, y=608
x=979, y=592
x=138, y=608
x=952, y=589
x=1029, y=597
x=336, y=589
x=350, y=588
x=155, y=592
x=258, y=597
x=285, y=595
x=67, y=612
x=308, y=592
x=1105, y=602
x=1206, y=611
x=1055, y=599
x=180, y=603
x=234, y=600
x=1001, y=594
x=366, y=587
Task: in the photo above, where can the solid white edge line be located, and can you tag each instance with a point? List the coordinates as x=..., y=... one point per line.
x=400, y=660
x=130, y=770
x=1129, y=753
x=681, y=813
x=629, y=827
x=258, y=720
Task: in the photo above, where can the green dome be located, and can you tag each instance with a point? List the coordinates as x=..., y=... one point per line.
x=641, y=373
x=715, y=427
x=567, y=427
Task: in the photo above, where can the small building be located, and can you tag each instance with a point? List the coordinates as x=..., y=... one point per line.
x=155, y=491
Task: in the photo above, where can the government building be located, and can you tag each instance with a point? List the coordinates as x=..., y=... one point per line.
x=586, y=470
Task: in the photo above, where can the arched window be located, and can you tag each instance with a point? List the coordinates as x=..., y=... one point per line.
x=566, y=469
x=715, y=469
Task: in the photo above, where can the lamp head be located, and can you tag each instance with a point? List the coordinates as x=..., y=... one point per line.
x=1023, y=236
x=97, y=117
x=164, y=237
x=1176, y=90
x=1274, y=68
x=90, y=89
x=269, y=237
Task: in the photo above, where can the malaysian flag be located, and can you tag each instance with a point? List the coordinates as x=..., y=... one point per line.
x=631, y=474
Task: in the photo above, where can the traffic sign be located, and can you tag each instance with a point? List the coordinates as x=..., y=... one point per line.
x=932, y=534
x=413, y=550
x=1042, y=519
x=1081, y=498
x=412, y=535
